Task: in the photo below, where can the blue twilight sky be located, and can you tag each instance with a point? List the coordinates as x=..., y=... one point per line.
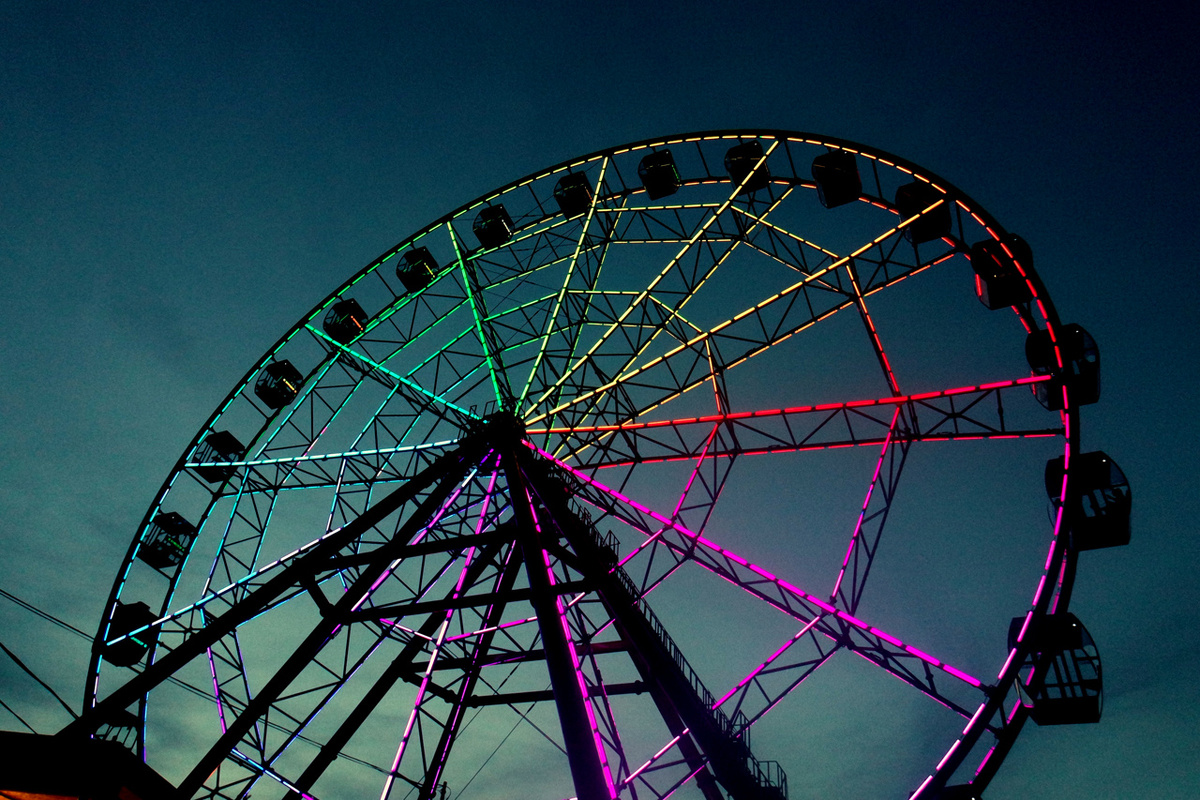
x=180, y=182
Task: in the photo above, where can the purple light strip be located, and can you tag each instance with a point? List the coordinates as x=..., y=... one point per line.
x=458, y=710
x=445, y=626
x=417, y=537
x=760, y=571
x=866, y=502
x=212, y=668
x=433, y=656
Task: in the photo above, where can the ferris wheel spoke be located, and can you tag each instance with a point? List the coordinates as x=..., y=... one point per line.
x=657, y=312
x=832, y=622
x=350, y=468
x=958, y=414
x=405, y=381
x=579, y=250
x=765, y=324
x=687, y=288
x=868, y=528
x=872, y=331
x=487, y=337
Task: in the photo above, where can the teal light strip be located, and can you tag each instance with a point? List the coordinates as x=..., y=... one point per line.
x=326, y=456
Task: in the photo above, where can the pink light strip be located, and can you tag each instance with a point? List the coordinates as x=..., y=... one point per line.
x=655, y=757
x=412, y=717
x=866, y=502
x=779, y=582
x=433, y=657
x=695, y=471
x=387, y=573
x=733, y=416
x=754, y=672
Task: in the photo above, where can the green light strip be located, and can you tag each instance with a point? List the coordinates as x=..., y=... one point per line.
x=470, y=290
x=396, y=376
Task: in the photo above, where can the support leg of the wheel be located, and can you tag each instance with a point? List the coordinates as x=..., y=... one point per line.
x=583, y=754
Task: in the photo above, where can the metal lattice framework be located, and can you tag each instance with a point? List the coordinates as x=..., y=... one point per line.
x=430, y=571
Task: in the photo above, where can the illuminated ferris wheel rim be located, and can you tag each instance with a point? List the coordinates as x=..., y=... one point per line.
x=1059, y=573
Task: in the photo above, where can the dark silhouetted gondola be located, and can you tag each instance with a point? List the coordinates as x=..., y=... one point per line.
x=573, y=193
x=278, y=384
x=167, y=541
x=998, y=281
x=1068, y=689
x=126, y=618
x=218, y=446
x=418, y=269
x=1080, y=371
x=741, y=162
x=838, y=181
x=659, y=175
x=493, y=227
x=345, y=321
x=912, y=199
x=1100, y=500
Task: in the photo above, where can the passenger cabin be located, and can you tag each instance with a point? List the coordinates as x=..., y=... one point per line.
x=1080, y=372
x=128, y=617
x=167, y=540
x=418, y=269
x=838, y=181
x=1099, y=500
x=1068, y=688
x=278, y=384
x=998, y=281
x=659, y=175
x=493, y=227
x=218, y=446
x=573, y=193
x=345, y=321
x=741, y=162
x=45, y=767
x=912, y=199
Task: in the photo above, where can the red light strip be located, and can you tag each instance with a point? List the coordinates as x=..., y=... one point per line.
x=733, y=416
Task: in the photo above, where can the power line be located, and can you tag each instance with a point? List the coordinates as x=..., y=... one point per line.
x=41, y=682
x=44, y=615
x=9, y=709
x=172, y=679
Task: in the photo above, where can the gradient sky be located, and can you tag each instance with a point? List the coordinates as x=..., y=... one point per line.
x=180, y=182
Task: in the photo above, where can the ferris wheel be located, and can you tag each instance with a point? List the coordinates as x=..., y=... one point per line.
x=580, y=484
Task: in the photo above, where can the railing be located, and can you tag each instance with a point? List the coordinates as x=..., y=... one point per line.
x=767, y=774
